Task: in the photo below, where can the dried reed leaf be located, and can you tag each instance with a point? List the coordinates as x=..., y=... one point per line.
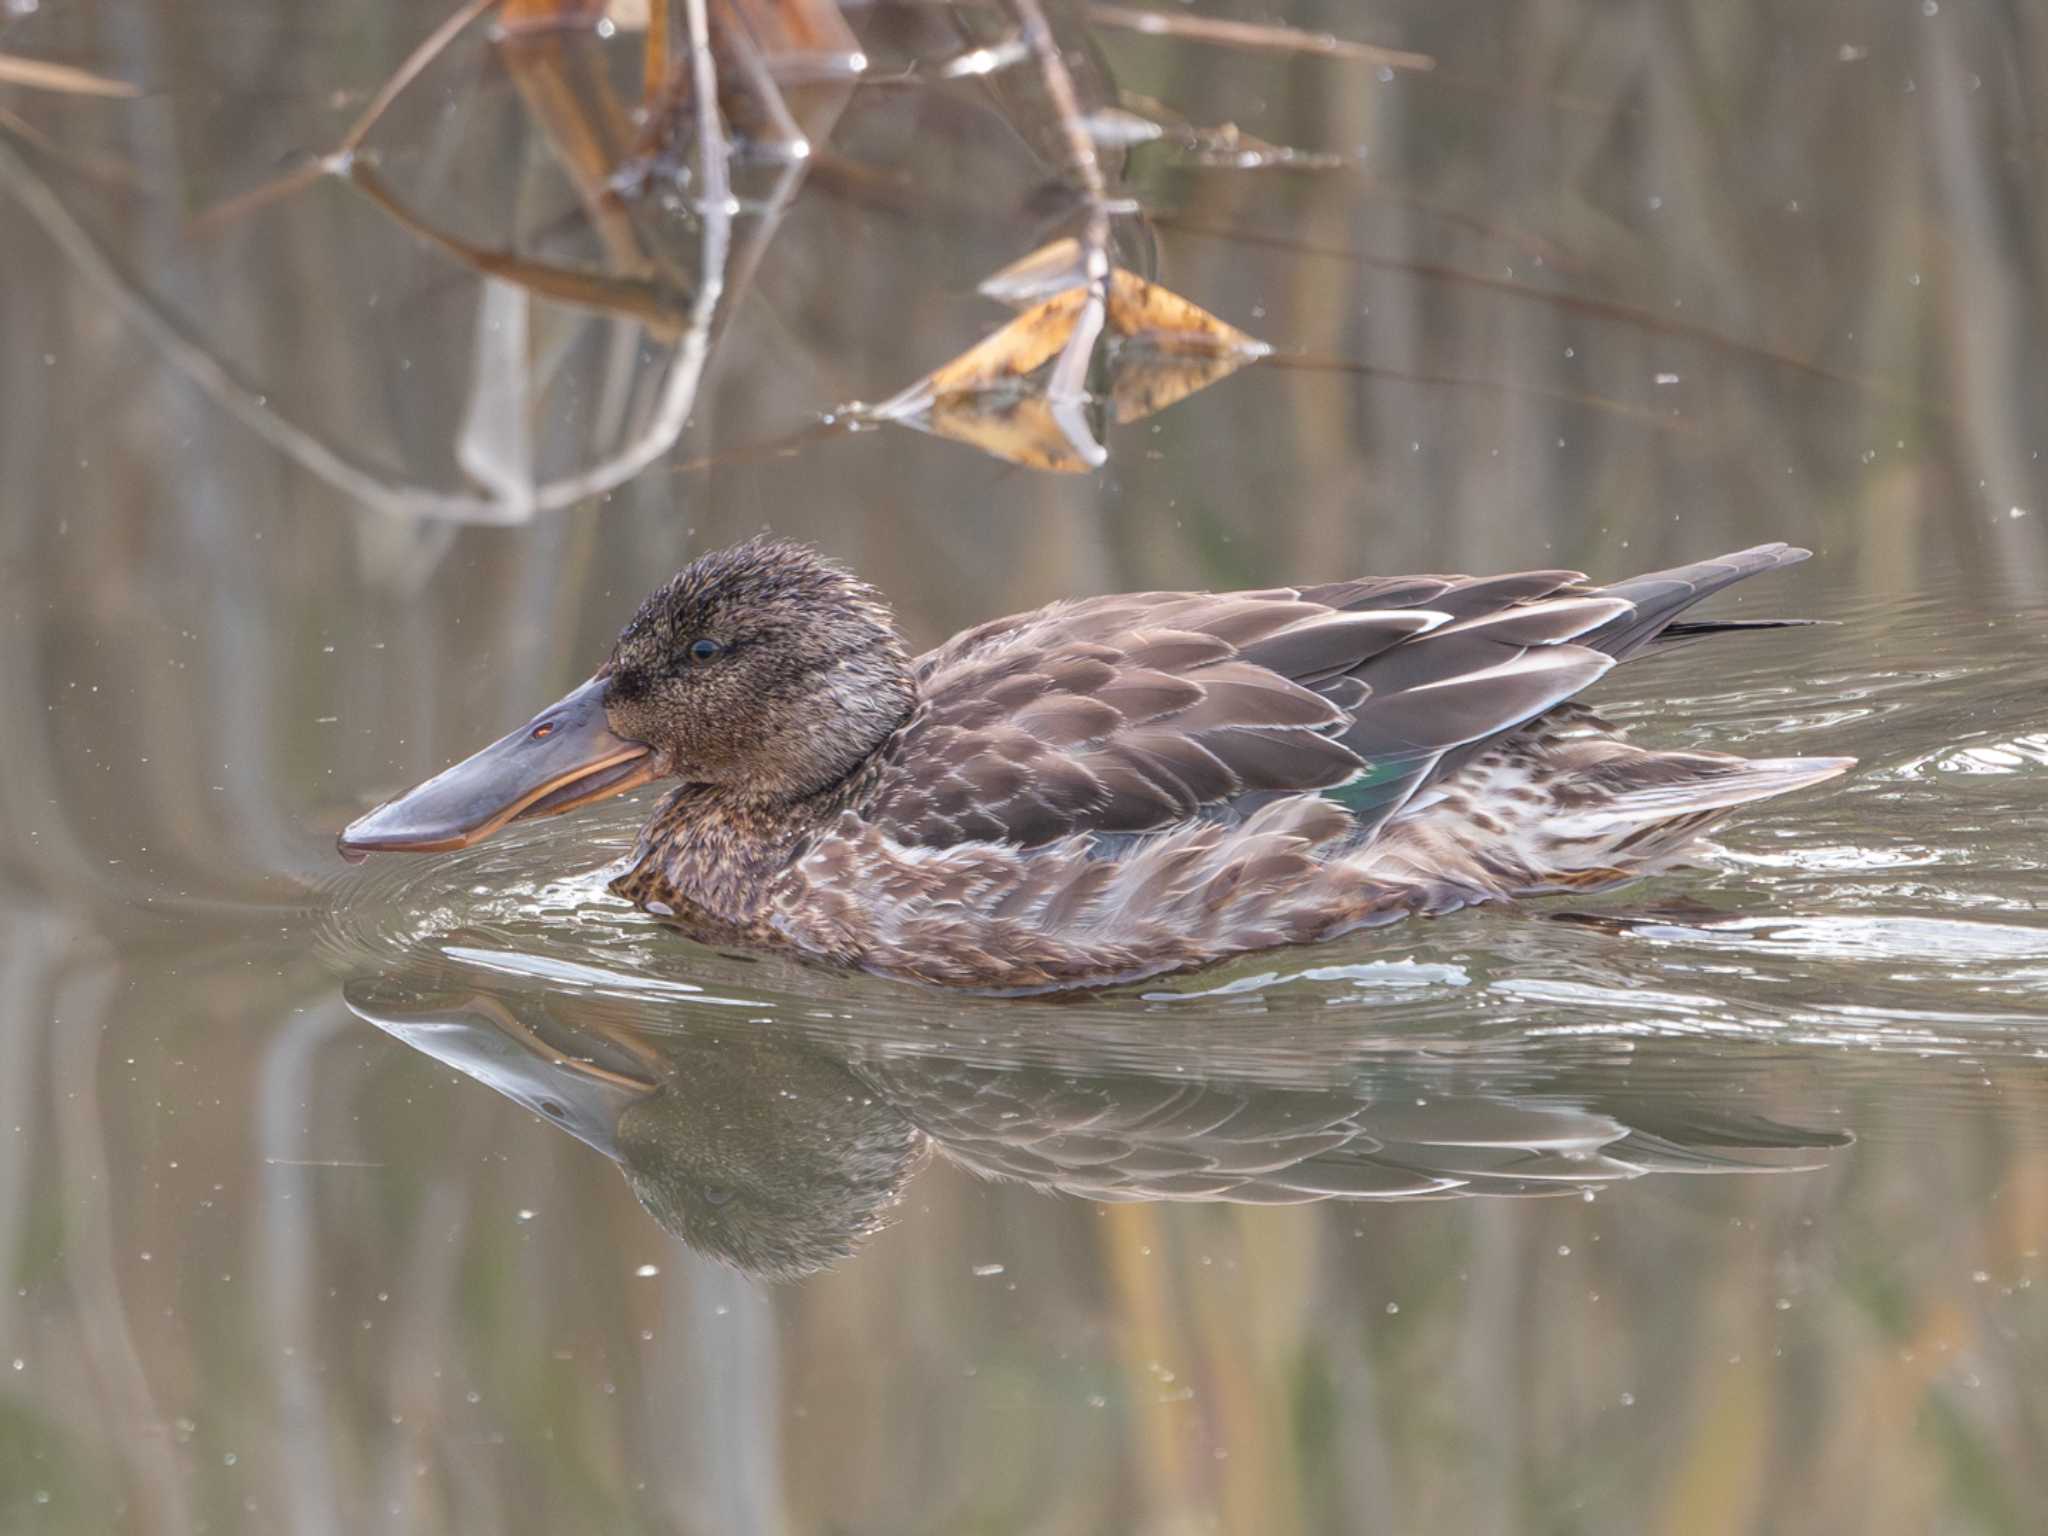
x=799, y=29
x=1148, y=380
x=1120, y=128
x=653, y=304
x=1146, y=120
x=1168, y=348
x=1018, y=429
x=1008, y=356
x=41, y=75
x=1136, y=307
x=988, y=398
x=1247, y=34
x=1046, y=271
x=561, y=80
x=995, y=397
x=1161, y=316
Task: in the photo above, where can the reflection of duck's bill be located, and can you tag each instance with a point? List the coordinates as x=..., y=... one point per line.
x=564, y=757
x=478, y=1038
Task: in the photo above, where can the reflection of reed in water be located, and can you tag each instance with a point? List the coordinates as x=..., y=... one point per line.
x=779, y=1150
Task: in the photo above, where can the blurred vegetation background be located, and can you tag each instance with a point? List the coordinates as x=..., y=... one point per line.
x=1612, y=286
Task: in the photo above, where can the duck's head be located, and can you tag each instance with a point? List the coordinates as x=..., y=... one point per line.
x=764, y=669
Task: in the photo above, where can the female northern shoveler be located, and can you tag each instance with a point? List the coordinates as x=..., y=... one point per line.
x=1110, y=787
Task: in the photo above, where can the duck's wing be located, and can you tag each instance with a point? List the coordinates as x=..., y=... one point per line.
x=1138, y=712
x=1436, y=702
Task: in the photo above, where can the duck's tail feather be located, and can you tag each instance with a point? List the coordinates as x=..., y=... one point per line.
x=1648, y=810
x=1661, y=596
x=1545, y=810
x=1696, y=629
x=1659, y=786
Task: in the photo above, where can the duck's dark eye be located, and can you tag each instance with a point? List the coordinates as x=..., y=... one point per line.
x=705, y=650
x=717, y=1196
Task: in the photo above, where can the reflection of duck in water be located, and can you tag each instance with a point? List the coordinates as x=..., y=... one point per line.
x=1112, y=787
x=779, y=1151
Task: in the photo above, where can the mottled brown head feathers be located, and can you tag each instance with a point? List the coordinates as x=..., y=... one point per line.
x=764, y=668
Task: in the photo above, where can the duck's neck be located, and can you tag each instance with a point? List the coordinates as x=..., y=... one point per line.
x=713, y=851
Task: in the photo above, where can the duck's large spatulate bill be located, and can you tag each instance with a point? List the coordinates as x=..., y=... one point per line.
x=564, y=757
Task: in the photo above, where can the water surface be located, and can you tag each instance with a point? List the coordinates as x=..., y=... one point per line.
x=1716, y=1203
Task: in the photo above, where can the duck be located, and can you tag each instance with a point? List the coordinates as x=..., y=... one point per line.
x=1116, y=787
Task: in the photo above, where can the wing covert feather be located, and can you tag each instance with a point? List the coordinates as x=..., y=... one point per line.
x=1135, y=712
